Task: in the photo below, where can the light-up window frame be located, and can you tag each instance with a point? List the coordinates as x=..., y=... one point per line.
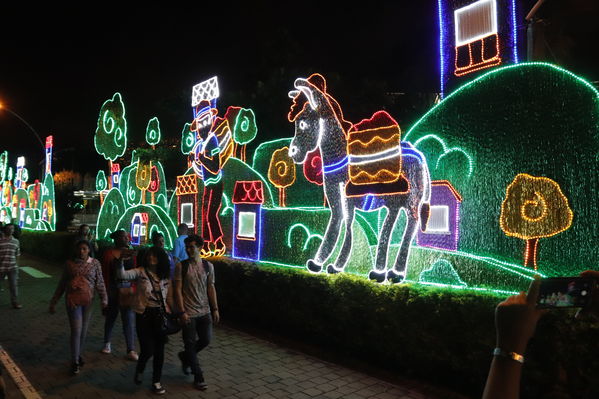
x=185, y=208
x=479, y=4
x=246, y=232
x=439, y=213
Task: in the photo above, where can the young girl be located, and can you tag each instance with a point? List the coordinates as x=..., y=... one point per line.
x=80, y=278
x=152, y=292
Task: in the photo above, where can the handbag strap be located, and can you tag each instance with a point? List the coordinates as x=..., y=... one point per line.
x=162, y=303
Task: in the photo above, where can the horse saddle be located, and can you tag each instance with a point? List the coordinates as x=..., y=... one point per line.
x=399, y=186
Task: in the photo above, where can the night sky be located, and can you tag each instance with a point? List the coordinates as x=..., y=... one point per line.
x=57, y=66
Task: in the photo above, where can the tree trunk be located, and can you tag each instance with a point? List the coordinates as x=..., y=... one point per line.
x=530, y=253
x=243, y=147
x=281, y=197
x=109, y=185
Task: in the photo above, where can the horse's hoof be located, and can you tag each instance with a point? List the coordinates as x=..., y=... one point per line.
x=395, y=277
x=331, y=269
x=377, y=276
x=313, y=266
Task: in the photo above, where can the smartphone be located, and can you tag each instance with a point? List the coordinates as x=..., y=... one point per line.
x=565, y=292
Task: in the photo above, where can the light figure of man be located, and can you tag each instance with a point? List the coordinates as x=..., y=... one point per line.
x=213, y=137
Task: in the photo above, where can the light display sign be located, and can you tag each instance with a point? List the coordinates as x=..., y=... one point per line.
x=439, y=204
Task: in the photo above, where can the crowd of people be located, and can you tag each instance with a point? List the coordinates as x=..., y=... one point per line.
x=147, y=287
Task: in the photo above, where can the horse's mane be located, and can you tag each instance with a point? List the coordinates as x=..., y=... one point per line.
x=318, y=82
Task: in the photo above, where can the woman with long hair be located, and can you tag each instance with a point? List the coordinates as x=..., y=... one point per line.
x=82, y=275
x=119, y=293
x=153, y=286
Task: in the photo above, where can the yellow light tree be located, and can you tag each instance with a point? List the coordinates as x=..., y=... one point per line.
x=533, y=208
x=281, y=172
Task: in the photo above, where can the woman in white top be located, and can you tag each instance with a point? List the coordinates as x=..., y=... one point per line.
x=152, y=293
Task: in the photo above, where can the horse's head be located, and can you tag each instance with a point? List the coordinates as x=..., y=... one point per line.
x=307, y=114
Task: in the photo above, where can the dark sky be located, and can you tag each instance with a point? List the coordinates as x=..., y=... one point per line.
x=58, y=65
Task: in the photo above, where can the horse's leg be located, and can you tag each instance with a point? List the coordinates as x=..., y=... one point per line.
x=328, y=242
x=398, y=272
x=379, y=272
x=343, y=257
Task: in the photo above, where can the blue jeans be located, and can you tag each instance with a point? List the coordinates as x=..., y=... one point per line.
x=197, y=334
x=127, y=318
x=13, y=276
x=79, y=321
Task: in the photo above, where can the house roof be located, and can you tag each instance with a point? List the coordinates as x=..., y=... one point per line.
x=187, y=184
x=248, y=192
x=448, y=185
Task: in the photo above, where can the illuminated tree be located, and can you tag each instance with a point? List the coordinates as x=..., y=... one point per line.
x=281, y=172
x=533, y=208
x=110, y=139
x=243, y=125
x=188, y=139
x=101, y=183
x=143, y=178
x=3, y=166
x=153, y=132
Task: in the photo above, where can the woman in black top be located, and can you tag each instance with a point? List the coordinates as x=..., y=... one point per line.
x=152, y=292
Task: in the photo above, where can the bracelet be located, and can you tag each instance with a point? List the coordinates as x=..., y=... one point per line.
x=214, y=309
x=509, y=355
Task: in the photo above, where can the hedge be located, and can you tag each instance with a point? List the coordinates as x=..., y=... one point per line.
x=55, y=246
x=441, y=335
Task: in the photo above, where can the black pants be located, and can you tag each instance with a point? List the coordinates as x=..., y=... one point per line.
x=211, y=229
x=196, y=336
x=151, y=342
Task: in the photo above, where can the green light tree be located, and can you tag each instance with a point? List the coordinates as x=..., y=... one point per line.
x=110, y=139
x=3, y=166
x=187, y=139
x=242, y=122
x=153, y=132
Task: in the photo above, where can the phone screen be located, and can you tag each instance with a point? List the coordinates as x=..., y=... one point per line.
x=565, y=292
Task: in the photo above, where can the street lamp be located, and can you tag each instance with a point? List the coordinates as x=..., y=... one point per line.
x=2, y=106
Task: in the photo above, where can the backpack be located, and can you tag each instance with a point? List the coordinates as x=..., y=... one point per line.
x=79, y=293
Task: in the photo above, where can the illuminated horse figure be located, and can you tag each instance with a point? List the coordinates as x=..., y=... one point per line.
x=319, y=123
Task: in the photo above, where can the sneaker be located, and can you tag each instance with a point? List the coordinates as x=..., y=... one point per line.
x=75, y=369
x=158, y=389
x=132, y=355
x=200, y=384
x=137, y=378
x=185, y=368
x=16, y=305
x=106, y=349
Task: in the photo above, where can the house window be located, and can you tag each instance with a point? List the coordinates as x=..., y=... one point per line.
x=187, y=214
x=475, y=21
x=135, y=230
x=143, y=231
x=438, y=222
x=247, y=225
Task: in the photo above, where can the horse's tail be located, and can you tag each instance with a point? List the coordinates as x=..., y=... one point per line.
x=424, y=178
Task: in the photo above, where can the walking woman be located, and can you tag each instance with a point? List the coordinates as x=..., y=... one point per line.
x=119, y=293
x=150, y=302
x=80, y=278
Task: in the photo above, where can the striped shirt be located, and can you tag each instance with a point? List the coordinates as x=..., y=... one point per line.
x=9, y=250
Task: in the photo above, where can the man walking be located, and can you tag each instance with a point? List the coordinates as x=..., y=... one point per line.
x=195, y=296
x=9, y=251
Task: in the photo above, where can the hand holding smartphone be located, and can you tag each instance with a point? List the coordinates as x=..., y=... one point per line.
x=565, y=292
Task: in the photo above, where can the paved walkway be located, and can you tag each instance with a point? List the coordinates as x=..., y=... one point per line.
x=237, y=365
